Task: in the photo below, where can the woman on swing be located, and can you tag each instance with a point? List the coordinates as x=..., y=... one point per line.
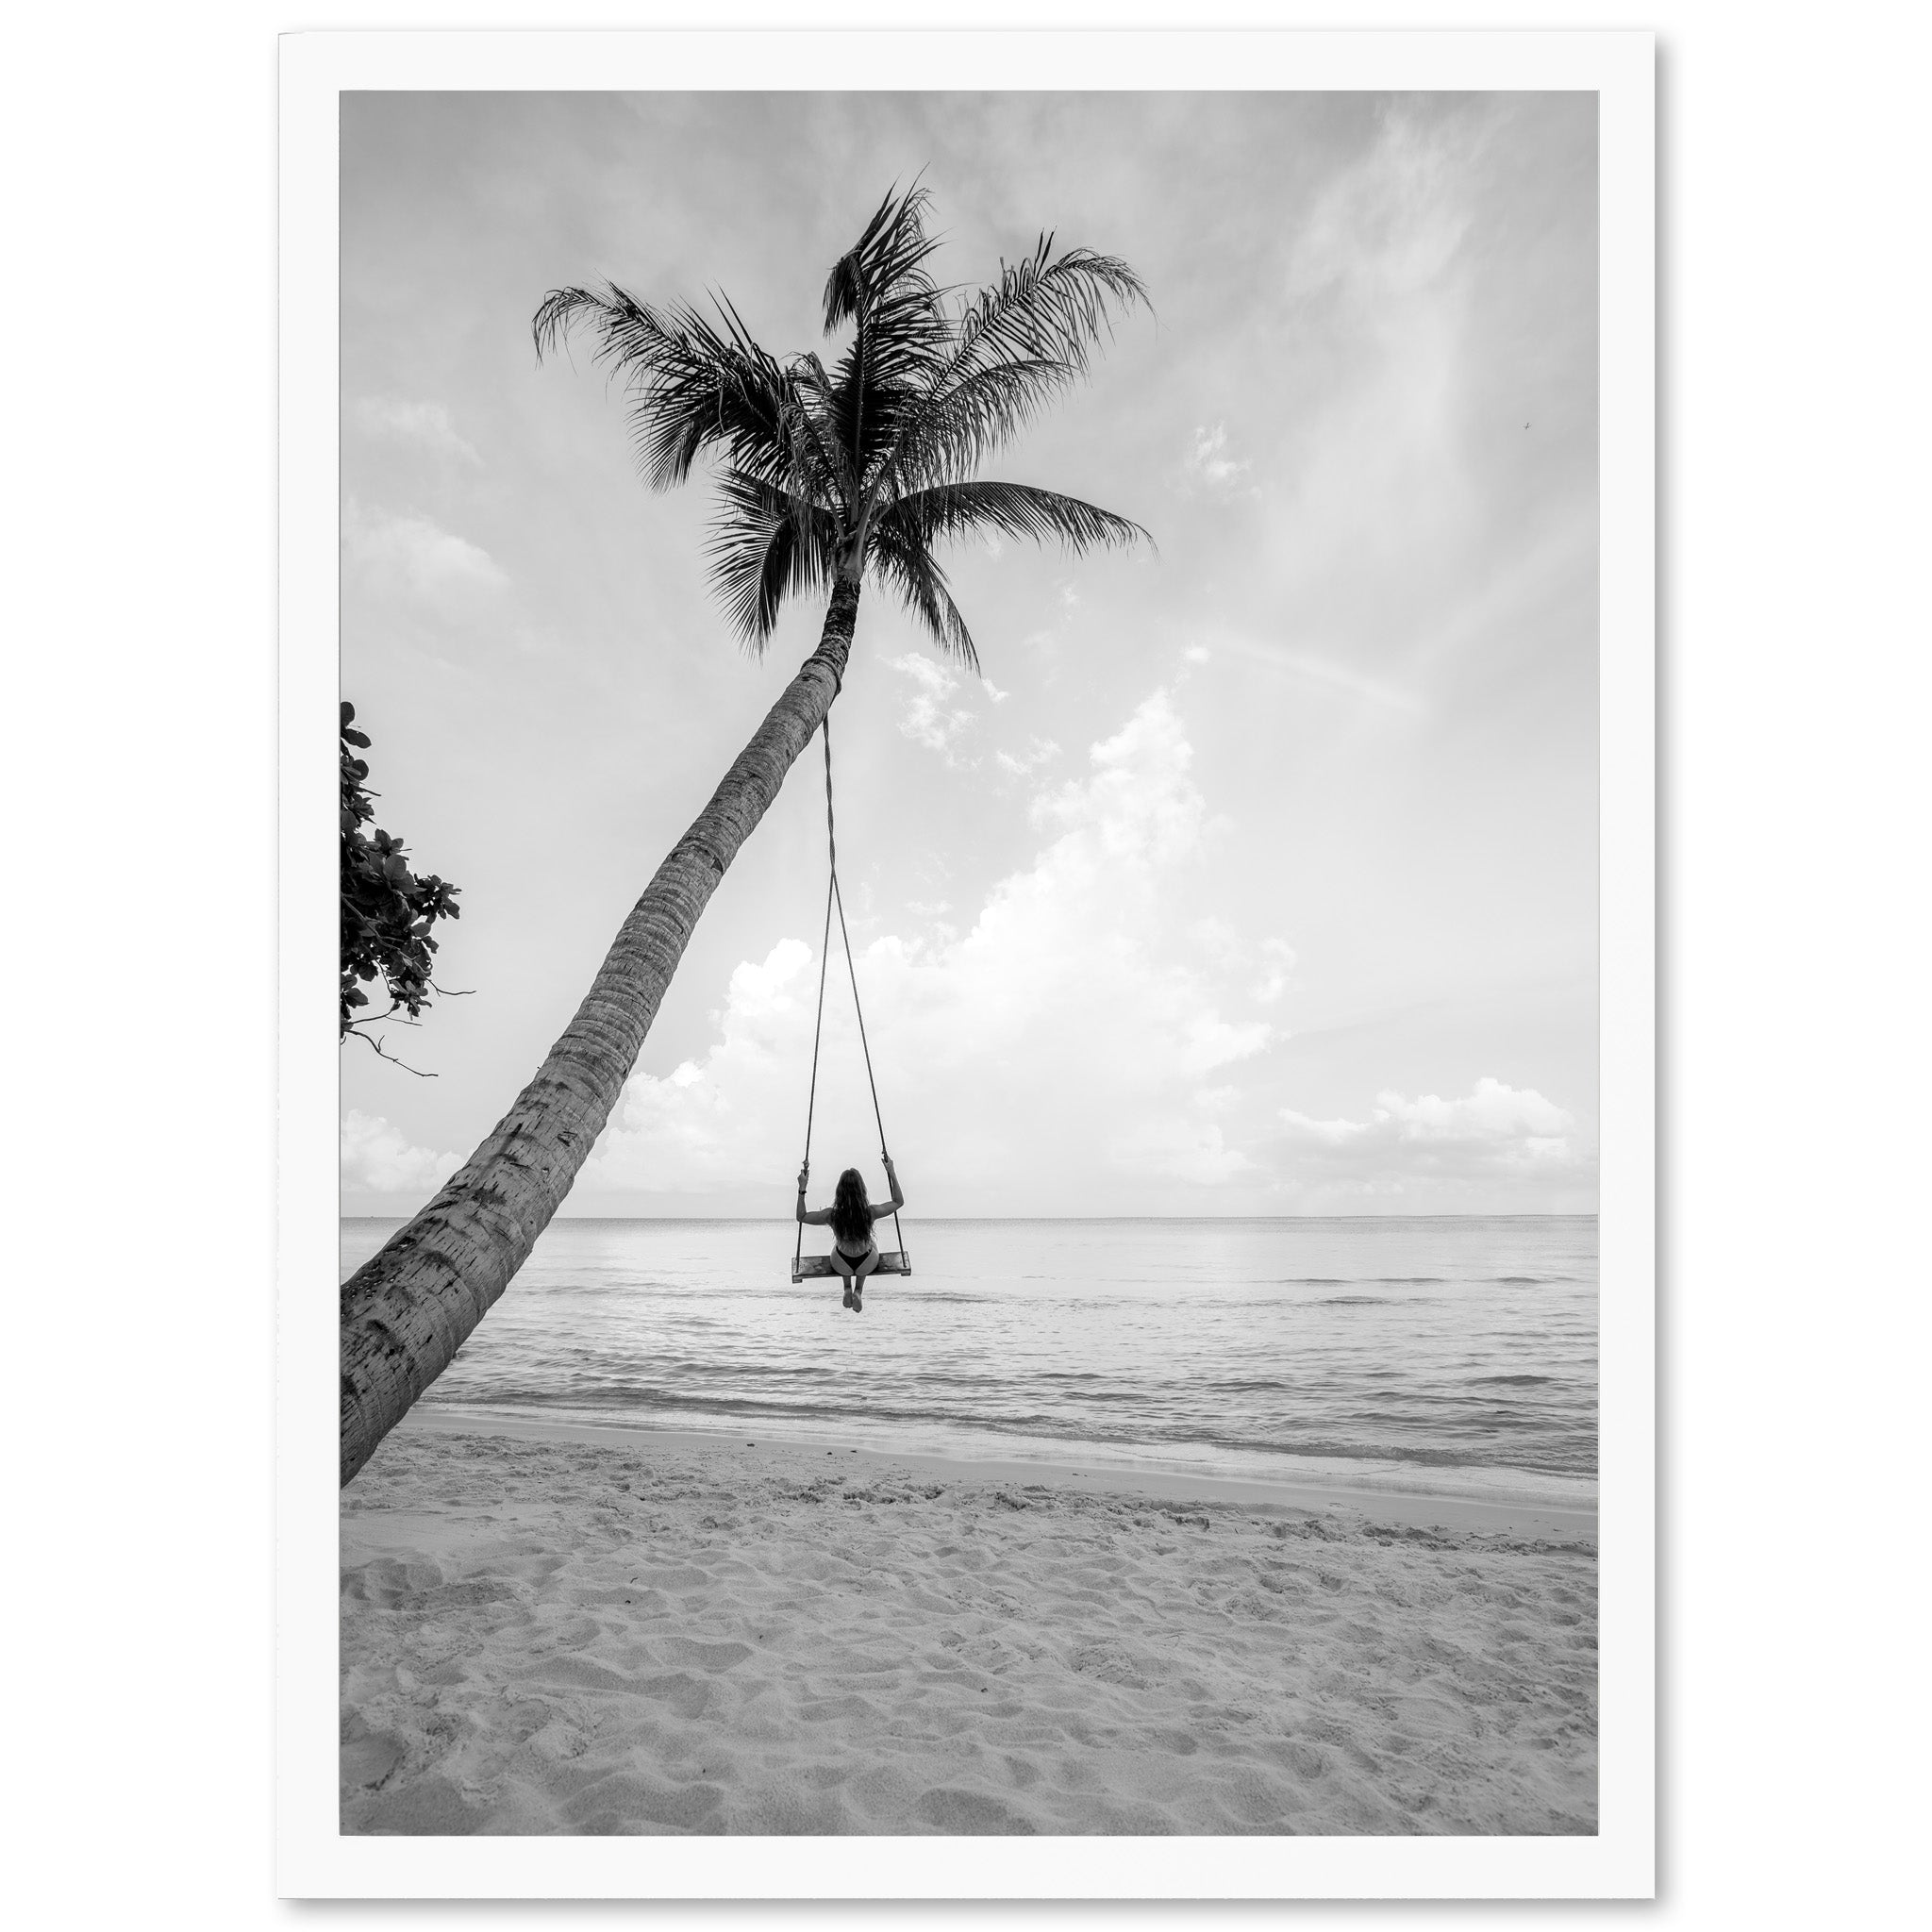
x=855, y=1252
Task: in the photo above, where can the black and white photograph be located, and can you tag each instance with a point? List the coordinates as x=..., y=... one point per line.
x=972, y=955
x=966, y=971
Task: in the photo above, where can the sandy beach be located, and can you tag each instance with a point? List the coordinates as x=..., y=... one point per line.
x=551, y=1629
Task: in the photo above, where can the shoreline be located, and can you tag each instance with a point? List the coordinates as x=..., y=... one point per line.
x=1407, y=1508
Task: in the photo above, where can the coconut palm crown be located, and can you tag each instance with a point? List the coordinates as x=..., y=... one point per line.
x=869, y=465
x=824, y=476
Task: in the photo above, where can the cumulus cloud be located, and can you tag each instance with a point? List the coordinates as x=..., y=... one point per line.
x=392, y=418
x=930, y=718
x=1494, y=1132
x=1072, y=1030
x=376, y=1159
x=1493, y=1115
x=411, y=557
x=707, y=1124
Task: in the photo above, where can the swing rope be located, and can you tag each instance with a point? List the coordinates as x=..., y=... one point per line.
x=836, y=899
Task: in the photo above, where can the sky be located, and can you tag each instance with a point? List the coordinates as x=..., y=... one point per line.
x=1256, y=874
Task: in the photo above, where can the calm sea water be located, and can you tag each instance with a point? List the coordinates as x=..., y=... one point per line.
x=1455, y=1354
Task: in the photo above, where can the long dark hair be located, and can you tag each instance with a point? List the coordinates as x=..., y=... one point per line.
x=851, y=1211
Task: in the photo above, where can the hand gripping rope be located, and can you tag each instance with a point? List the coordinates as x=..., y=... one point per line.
x=835, y=901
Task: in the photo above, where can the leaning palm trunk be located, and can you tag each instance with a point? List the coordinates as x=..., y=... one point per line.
x=408, y=1310
x=827, y=474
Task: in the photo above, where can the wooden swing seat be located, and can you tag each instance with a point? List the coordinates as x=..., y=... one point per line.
x=815, y=1267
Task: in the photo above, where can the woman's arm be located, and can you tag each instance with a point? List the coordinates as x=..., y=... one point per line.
x=898, y=1200
x=812, y=1217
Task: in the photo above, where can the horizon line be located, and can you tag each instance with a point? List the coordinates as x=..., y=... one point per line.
x=780, y=1221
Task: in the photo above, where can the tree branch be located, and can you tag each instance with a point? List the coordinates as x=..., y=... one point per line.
x=354, y=1031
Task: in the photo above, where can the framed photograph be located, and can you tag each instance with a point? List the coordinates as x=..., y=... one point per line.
x=984, y=707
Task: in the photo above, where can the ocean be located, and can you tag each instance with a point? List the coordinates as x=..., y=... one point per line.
x=1447, y=1355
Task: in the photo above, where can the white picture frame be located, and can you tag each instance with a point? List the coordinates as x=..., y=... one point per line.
x=314, y=1860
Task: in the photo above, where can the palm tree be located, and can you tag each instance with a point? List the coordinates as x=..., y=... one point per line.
x=823, y=476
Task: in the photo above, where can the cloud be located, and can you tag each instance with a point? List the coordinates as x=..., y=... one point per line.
x=1378, y=489
x=1387, y=228
x=1491, y=1116
x=1494, y=1132
x=1038, y=752
x=1227, y=948
x=708, y=1122
x=376, y=1159
x=928, y=718
x=391, y=419
x=1277, y=961
x=1074, y=1030
x=1207, y=465
x=1219, y=941
x=410, y=557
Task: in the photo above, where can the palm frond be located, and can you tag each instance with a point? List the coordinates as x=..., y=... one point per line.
x=891, y=253
x=818, y=426
x=949, y=434
x=901, y=336
x=1051, y=308
x=882, y=286
x=1016, y=346
x=908, y=567
x=693, y=385
x=951, y=510
x=886, y=442
x=767, y=545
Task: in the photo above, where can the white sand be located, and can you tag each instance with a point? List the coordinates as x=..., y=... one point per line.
x=557, y=1630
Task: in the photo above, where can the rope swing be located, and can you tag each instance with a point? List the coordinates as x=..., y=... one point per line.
x=897, y=1262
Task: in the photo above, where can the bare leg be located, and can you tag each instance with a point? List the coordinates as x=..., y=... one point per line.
x=843, y=1268
x=859, y=1276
